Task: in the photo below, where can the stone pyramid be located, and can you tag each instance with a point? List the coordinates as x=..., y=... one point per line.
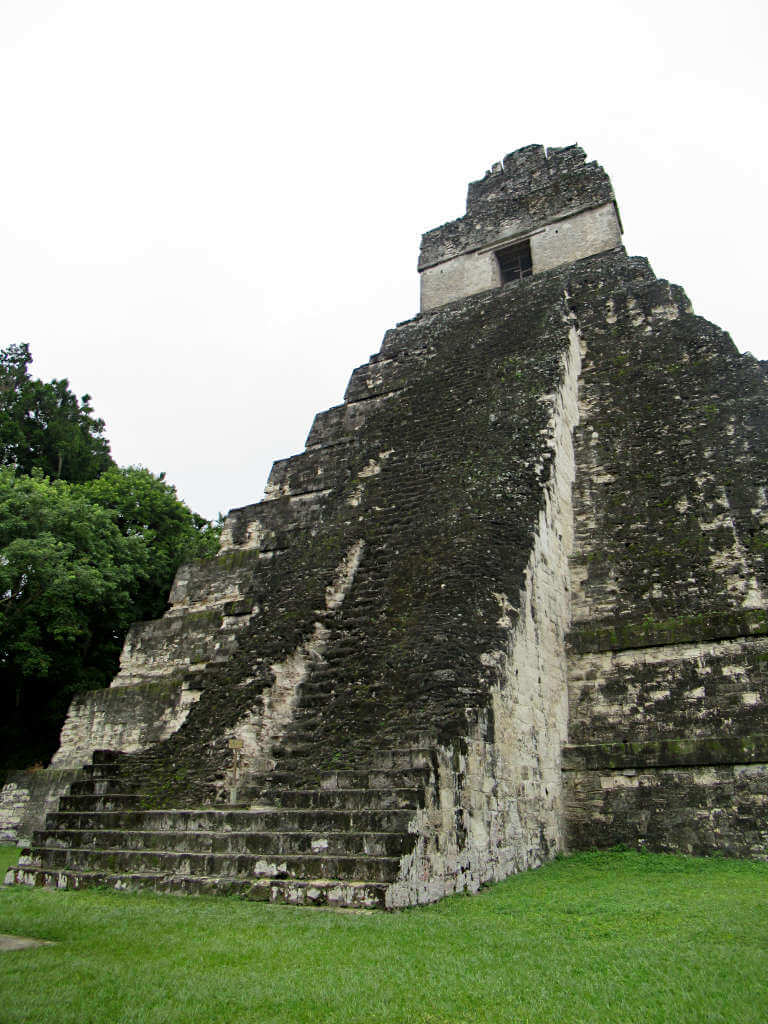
x=510, y=601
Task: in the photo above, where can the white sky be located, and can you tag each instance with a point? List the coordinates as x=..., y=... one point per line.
x=211, y=212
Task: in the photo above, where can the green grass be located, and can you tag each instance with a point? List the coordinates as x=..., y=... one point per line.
x=601, y=937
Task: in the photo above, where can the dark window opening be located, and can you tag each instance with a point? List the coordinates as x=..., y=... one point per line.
x=515, y=262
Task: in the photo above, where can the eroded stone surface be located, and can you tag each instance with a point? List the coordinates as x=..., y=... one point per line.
x=667, y=668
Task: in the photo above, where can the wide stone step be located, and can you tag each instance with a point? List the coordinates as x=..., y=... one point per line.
x=98, y=787
x=400, y=757
x=316, y=702
x=317, y=687
x=262, y=820
x=330, y=844
x=302, y=892
x=100, y=801
x=387, y=759
x=351, y=799
x=376, y=869
x=301, y=736
x=374, y=778
x=100, y=771
x=305, y=721
x=105, y=757
x=322, y=892
x=295, y=751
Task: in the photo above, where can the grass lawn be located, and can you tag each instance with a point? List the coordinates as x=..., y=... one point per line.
x=600, y=937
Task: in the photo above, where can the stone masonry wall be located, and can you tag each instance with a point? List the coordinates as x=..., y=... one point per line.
x=531, y=187
x=211, y=602
x=563, y=204
x=668, y=652
x=27, y=797
x=572, y=238
x=442, y=520
x=122, y=718
x=698, y=809
x=563, y=240
x=503, y=782
x=708, y=688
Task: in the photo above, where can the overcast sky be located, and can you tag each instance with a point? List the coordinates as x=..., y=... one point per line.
x=211, y=212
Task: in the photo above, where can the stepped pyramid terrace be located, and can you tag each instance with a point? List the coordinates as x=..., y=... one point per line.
x=510, y=601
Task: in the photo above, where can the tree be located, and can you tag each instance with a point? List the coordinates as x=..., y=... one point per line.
x=145, y=507
x=67, y=576
x=45, y=426
x=86, y=548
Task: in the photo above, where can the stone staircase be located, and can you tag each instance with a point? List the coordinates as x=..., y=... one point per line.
x=339, y=844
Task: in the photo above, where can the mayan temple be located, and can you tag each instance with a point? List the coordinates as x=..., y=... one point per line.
x=510, y=601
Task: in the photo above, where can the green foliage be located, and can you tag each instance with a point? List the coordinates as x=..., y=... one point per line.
x=606, y=938
x=45, y=426
x=146, y=508
x=66, y=577
x=86, y=548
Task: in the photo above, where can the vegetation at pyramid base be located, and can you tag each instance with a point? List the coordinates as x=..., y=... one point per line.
x=86, y=548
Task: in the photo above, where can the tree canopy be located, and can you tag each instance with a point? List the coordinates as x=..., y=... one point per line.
x=86, y=548
x=45, y=426
x=144, y=507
